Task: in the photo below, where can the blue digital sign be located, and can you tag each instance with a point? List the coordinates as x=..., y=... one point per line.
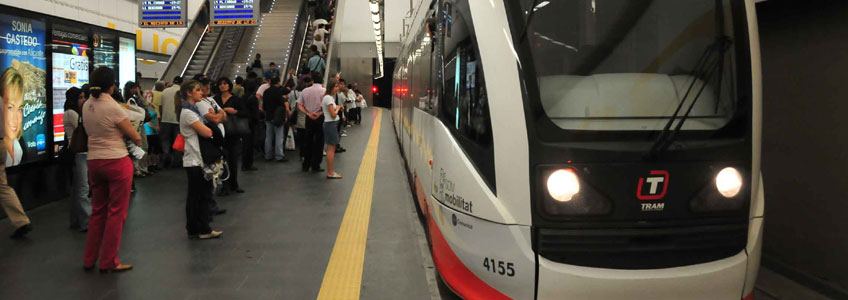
x=162, y=13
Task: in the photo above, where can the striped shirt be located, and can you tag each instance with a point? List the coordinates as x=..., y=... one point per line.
x=312, y=97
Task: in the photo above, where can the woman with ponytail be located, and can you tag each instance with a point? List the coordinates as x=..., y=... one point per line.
x=110, y=171
x=192, y=126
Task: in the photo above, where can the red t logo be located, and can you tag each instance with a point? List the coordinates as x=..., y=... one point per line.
x=657, y=177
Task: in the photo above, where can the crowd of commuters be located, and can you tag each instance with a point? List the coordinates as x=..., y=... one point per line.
x=209, y=128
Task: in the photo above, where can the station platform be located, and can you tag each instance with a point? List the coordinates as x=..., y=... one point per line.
x=278, y=239
x=292, y=235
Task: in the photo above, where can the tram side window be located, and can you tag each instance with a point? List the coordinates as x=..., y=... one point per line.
x=465, y=105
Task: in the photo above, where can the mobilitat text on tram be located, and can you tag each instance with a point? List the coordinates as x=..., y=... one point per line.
x=585, y=149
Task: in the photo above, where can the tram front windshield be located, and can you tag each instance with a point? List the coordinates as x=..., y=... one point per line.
x=619, y=69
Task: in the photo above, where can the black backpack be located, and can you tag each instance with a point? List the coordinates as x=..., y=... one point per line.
x=211, y=149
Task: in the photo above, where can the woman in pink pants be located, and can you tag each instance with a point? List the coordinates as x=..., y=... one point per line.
x=110, y=171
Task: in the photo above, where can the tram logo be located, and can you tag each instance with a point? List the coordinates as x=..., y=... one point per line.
x=649, y=187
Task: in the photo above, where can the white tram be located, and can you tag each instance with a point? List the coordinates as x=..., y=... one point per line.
x=586, y=149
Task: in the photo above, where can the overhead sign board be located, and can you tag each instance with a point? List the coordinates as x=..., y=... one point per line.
x=234, y=13
x=162, y=13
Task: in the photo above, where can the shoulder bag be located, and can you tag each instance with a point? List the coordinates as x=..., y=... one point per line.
x=79, y=142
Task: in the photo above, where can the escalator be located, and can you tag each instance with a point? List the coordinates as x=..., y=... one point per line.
x=228, y=50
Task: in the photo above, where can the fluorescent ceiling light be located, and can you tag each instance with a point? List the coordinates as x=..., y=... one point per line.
x=375, y=18
x=375, y=8
x=376, y=26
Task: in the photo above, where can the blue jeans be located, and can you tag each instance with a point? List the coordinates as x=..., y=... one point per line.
x=274, y=137
x=79, y=202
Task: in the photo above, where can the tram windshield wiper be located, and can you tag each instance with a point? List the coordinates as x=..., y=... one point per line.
x=706, y=67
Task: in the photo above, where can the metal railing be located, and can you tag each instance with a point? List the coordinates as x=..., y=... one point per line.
x=225, y=51
x=179, y=61
x=299, y=38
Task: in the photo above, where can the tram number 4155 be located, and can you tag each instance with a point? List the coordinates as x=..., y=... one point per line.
x=498, y=267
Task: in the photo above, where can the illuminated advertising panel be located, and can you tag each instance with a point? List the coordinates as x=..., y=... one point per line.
x=23, y=80
x=70, y=69
x=234, y=13
x=105, y=52
x=162, y=13
x=126, y=58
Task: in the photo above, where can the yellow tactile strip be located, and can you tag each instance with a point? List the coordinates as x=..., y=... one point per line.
x=343, y=277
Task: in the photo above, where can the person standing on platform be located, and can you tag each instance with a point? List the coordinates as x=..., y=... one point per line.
x=300, y=123
x=238, y=87
x=110, y=171
x=310, y=106
x=11, y=87
x=199, y=193
x=272, y=101
x=80, y=204
x=168, y=125
x=332, y=118
x=234, y=107
x=350, y=105
x=213, y=115
x=358, y=104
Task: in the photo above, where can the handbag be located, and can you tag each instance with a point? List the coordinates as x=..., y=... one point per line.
x=147, y=115
x=237, y=125
x=179, y=143
x=79, y=142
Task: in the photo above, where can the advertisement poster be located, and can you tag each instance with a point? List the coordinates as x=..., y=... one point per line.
x=23, y=80
x=70, y=69
x=104, y=51
x=126, y=56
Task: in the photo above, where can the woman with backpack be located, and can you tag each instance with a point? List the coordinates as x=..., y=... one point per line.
x=192, y=127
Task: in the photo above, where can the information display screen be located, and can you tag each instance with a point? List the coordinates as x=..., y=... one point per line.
x=105, y=52
x=126, y=57
x=234, y=13
x=70, y=69
x=23, y=80
x=162, y=13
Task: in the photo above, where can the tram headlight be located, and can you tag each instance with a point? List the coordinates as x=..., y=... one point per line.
x=723, y=194
x=566, y=195
x=563, y=185
x=728, y=182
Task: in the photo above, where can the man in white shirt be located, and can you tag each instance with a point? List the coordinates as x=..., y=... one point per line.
x=210, y=109
x=169, y=126
x=318, y=42
x=214, y=114
x=261, y=90
x=322, y=32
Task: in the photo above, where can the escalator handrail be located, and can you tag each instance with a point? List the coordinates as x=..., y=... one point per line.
x=302, y=44
x=193, y=52
x=182, y=40
x=215, y=50
x=304, y=11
